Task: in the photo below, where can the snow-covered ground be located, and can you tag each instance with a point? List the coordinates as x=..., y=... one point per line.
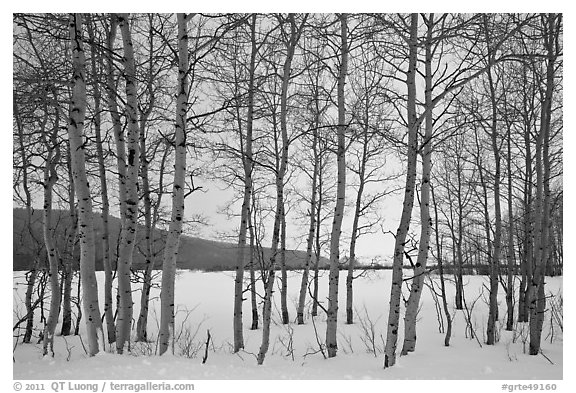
x=205, y=303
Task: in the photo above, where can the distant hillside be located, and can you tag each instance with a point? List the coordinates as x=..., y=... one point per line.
x=194, y=253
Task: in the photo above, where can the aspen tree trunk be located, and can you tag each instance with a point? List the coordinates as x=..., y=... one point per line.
x=141, y=326
x=538, y=300
x=425, y=218
x=266, y=316
x=248, y=166
x=311, y=230
x=401, y=233
x=175, y=230
x=536, y=292
x=50, y=178
x=127, y=240
x=85, y=220
x=31, y=276
x=106, y=260
x=115, y=115
x=295, y=33
x=121, y=164
x=332, y=310
x=495, y=261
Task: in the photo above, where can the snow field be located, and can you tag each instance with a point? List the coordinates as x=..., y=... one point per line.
x=204, y=301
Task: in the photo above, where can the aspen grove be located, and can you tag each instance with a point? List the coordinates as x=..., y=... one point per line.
x=299, y=159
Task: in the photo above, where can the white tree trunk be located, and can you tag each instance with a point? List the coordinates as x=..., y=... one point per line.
x=542, y=250
x=248, y=166
x=175, y=230
x=106, y=257
x=332, y=310
x=396, y=288
x=425, y=218
x=130, y=198
x=85, y=220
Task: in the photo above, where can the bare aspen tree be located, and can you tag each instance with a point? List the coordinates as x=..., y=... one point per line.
x=425, y=217
x=527, y=200
x=85, y=220
x=279, y=217
x=149, y=223
x=316, y=109
x=175, y=230
x=495, y=260
x=551, y=26
x=248, y=166
x=510, y=257
x=402, y=232
x=366, y=159
x=332, y=310
x=129, y=224
x=141, y=326
x=111, y=100
x=105, y=213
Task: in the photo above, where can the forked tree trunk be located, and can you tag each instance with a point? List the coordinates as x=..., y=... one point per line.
x=85, y=220
x=121, y=166
x=128, y=237
x=332, y=310
x=280, y=216
x=248, y=166
x=106, y=259
x=401, y=233
x=425, y=218
x=141, y=325
x=175, y=229
x=552, y=28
